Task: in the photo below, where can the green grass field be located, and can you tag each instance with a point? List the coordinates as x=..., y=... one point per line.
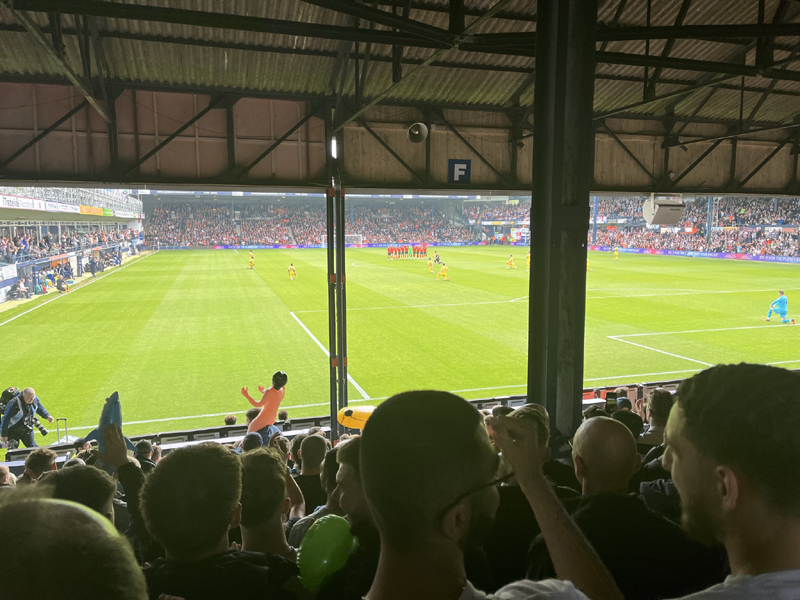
x=179, y=333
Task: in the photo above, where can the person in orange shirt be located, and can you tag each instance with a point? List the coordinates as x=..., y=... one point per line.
x=264, y=423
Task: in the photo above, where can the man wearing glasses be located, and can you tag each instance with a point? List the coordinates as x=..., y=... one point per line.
x=426, y=516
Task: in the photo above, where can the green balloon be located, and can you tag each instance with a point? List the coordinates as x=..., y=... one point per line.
x=324, y=550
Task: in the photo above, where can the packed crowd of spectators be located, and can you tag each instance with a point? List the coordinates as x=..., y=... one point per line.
x=658, y=497
x=737, y=241
x=28, y=246
x=184, y=224
x=619, y=208
x=403, y=224
x=264, y=224
x=497, y=212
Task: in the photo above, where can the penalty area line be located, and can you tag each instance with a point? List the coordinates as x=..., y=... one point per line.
x=77, y=289
x=361, y=391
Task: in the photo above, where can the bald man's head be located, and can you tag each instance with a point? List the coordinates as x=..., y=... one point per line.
x=605, y=456
x=76, y=547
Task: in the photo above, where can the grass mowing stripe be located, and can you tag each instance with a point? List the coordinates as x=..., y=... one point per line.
x=78, y=287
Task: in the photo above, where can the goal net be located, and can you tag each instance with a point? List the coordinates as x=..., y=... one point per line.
x=354, y=240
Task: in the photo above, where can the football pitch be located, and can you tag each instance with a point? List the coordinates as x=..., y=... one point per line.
x=179, y=333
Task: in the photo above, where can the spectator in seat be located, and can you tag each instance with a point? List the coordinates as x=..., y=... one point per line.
x=47, y=532
x=80, y=445
x=267, y=432
x=312, y=453
x=88, y=486
x=144, y=454
x=74, y=462
x=352, y=582
x=658, y=407
x=501, y=410
x=624, y=404
x=426, y=517
x=283, y=415
x=264, y=504
x=594, y=411
x=230, y=420
x=189, y=502
x=5, y=477
x=294, y=453
x=252, y=441
x=732, y=445
x=648, y=556
x=515, y=525
x=330, y=467
x=631, y=420
x=39, y=461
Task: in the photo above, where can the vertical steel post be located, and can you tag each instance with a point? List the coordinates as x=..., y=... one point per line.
x=709, y=219
x=594, y=222
x=331, y=274
x=341, y=290
x=563, y=142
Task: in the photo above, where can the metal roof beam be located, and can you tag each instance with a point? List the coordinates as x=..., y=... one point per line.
x=470, y=12
x=218, y=102
x=136, y=12
x=41, y=135
x=394, y=154
x=731, y=135
x=627, y=150
x=376, y=15
x=650, y=91
x=37, y=34
x=708, y=32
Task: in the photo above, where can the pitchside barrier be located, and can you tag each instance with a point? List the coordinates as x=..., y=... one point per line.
x=225, y=434
x=727, y=255
x=303, y=246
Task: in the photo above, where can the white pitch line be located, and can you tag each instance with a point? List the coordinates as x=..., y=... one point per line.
x=235, y=250
x=77, y=289
x=288, y=407
x=784, y=362
x=693, y=293
x=641, y=374
x=697, y=331
x=700, y=362
x=518, y=299
x=361, y=391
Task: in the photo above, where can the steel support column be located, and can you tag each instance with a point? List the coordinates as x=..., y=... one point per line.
x=341, y=289
x=330, y=252
x=562, y=175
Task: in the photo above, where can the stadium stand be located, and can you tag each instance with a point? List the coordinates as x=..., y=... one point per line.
x=424, y=500
x=201, y=225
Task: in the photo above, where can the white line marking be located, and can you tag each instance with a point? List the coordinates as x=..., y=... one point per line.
x=518, y=299
x=683, y=294
x=194, y=417
x=698, y=331
x=235, y=250
x=77, y=289
x=361, y=391
x=700, y=362
x=642, y=374
x=784, y=362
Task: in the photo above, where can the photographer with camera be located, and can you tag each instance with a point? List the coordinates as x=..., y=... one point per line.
x=19, y=419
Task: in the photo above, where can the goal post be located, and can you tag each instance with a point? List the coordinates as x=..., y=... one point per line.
x=354, y=240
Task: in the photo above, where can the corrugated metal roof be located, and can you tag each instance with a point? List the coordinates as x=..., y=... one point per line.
x=287, y=64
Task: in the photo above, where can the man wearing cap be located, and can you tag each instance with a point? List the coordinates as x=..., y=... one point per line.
x=144, y=454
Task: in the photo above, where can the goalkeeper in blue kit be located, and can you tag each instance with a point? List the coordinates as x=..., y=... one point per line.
x=780, y=307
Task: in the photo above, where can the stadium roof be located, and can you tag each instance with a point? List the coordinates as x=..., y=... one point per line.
x=737, y=58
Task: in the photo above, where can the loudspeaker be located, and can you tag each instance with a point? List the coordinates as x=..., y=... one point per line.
x=417, y=133
x=662, y=210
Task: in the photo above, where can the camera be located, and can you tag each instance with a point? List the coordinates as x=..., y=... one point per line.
x=39, y=426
